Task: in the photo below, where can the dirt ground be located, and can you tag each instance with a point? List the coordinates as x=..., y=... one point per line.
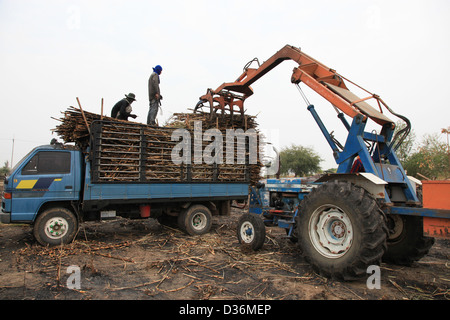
x=140, y=259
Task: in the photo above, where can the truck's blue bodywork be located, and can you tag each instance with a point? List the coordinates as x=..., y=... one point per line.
x=28, y=190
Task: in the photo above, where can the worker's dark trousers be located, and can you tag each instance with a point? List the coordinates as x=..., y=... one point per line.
x=152, y=112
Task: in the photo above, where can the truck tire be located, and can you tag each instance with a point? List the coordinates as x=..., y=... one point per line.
x=251, y=231
x=341, y=230
x=55, y=226
x=406, y=242
x=195, y=220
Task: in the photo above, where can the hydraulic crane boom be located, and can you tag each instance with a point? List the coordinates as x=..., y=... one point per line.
x=369, y=151
x=325, y=81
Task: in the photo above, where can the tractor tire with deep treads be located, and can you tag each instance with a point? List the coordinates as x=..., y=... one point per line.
x=406, y=242
x=341, y=230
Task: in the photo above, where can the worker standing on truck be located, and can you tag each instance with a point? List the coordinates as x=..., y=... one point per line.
x=122, y=109
x=154, y=95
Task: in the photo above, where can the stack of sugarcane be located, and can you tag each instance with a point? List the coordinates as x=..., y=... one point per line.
x=219, y=121
x=130, y=151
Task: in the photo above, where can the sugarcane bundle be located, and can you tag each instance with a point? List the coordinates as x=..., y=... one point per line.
x=129, y=151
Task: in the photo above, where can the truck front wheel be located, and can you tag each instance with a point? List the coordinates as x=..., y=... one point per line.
x=55, y=226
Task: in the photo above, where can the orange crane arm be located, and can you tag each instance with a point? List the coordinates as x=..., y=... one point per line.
x=317, y=76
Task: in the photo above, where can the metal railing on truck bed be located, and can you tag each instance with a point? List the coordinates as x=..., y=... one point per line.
x=122, y=152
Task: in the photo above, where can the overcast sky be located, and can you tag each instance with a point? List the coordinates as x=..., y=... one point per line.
x=54, y=51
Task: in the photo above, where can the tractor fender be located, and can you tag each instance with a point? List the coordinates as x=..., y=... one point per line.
x=368, y=181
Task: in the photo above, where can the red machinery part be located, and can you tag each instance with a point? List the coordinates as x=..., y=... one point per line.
x=145, y=211
x=436, y=195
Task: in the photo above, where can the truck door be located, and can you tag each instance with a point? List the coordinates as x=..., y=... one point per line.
x=46, y=176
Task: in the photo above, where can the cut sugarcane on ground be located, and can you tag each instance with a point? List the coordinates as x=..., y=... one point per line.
x=141, y=259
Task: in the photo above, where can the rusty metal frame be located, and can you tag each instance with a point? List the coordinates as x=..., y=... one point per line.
x=232, y=95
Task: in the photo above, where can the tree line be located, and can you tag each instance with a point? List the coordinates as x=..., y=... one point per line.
x=428, y=158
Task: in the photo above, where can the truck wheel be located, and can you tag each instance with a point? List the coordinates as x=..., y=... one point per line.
x=406, y=242
x=251, y=231
x=195, y=220
x=55, y=226
x=341, y=230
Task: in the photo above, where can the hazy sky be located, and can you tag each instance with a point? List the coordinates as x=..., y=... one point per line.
x=54, y=51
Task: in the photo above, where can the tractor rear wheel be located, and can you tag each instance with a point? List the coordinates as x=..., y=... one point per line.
x=341, y=230
x=406, y=242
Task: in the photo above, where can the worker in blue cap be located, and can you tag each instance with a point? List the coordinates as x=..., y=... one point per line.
x=154, y=95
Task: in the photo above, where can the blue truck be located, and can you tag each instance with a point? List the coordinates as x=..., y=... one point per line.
x=56, y=186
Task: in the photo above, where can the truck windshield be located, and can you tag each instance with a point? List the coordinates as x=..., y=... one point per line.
x=48, y=162
x=18, y=164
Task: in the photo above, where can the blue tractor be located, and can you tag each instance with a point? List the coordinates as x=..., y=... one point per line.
x=367, y=211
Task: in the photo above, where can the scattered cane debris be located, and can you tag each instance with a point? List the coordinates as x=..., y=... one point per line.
x=141, y=259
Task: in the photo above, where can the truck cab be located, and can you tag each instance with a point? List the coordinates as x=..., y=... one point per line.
x=47, y=175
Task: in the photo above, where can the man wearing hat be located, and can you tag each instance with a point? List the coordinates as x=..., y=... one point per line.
x=154, y=95
x=122, y=109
